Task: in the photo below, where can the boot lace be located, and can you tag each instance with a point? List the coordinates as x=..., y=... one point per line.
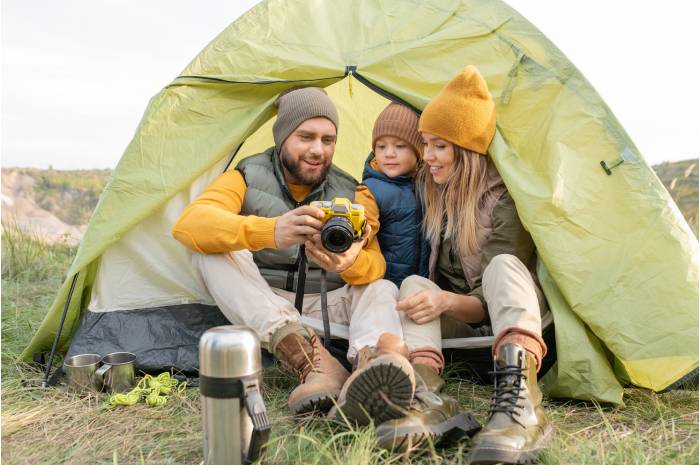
x=507, y=385
x=312, y=360
x=301, y=357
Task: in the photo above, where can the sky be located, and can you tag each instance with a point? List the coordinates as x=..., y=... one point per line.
x=77, y=74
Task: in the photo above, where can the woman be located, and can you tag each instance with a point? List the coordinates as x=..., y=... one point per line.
x=479, y=281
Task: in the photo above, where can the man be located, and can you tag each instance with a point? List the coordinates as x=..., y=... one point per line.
x=247, y=229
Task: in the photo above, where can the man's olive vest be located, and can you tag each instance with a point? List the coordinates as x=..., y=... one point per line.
x=267, y=195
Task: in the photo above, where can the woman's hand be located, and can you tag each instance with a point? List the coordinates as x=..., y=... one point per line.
x=425, y=306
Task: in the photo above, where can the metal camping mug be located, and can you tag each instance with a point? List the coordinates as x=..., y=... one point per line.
x=234, y=417
x=80, y=371
x=117, y=371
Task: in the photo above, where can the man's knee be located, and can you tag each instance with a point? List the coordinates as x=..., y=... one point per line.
x=413, y=284
x=383, y=287
x=203, y=263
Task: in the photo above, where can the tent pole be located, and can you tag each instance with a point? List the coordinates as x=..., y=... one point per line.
x=60, y=329
x=233, y=155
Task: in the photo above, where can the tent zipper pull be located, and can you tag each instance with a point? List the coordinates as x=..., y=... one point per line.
x=626, y=155
x=349, y=71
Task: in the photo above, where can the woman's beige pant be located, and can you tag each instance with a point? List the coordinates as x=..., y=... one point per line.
x=511, y=295
x=245, y=298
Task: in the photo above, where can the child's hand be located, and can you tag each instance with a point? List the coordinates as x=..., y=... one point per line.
x=425, y=306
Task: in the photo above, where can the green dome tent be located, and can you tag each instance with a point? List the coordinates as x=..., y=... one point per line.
x=618, y=263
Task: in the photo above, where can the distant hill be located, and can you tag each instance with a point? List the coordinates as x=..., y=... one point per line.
x=52, y=204
x=59, y=203
x=681, y=181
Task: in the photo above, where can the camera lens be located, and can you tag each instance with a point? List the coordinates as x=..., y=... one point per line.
x=337, y=234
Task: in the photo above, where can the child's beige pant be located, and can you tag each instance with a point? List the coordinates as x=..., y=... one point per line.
x=245, y=298
x=511, y=295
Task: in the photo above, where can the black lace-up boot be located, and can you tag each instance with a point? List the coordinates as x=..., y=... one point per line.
x=518, y=428
x=433, y=416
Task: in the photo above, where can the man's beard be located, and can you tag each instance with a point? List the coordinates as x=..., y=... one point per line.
x=299, y=176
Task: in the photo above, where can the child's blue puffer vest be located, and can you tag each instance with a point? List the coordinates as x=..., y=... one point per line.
x=400, y=237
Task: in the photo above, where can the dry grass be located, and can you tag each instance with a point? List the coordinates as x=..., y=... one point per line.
x=52, y=426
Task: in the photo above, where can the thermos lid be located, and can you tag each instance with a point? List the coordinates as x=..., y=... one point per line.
x=229, y=352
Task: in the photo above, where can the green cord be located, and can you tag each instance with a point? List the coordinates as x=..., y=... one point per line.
x=154, y=390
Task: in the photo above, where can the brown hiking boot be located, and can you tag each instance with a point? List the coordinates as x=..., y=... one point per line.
x=320, y=374
x=518, y=428
x=433, y=416
x=382, y=384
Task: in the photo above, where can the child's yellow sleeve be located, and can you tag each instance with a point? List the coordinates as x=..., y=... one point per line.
x=370, y=264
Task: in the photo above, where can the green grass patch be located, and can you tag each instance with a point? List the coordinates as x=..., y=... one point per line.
x=27, y=260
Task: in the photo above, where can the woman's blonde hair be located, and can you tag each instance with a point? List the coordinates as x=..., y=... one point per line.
x=454, y=206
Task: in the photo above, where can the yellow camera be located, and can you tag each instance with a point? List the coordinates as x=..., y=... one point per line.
x=344, y=222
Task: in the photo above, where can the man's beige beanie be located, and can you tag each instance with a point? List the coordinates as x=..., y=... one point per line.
x=462, y=113
x=296, y=106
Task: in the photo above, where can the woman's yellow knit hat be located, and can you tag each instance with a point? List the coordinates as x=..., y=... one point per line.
x=462, y=113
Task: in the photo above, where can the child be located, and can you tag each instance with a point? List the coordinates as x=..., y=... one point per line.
x=382, y=385
x=389, y=174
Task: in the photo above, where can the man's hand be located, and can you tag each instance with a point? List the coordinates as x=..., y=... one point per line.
x=335, y=262
x=425, y=306
x=297, y=226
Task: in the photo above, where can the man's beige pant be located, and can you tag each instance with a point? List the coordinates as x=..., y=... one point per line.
x=245, y=298
x=511, y=295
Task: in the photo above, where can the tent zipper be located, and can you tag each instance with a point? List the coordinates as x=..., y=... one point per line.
x=280, y=81
x=352, y=71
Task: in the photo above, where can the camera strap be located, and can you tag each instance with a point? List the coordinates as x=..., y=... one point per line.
x=301, y=279
x=324, y=311
x=299, y=298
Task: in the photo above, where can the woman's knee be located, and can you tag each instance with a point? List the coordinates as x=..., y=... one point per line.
x=503, y=262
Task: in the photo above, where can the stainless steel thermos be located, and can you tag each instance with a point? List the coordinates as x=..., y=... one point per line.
x=234, y=417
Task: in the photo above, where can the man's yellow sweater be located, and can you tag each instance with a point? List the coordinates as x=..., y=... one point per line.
x=213, y=224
